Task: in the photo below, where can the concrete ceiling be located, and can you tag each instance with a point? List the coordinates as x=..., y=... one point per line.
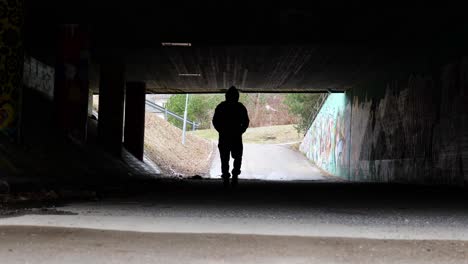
x=257, y=48
x=258, y=68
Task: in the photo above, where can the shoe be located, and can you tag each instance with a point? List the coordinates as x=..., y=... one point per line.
x=234, y=180
x=226, y=180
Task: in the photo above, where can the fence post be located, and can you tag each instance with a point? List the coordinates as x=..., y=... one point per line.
x=184, y=126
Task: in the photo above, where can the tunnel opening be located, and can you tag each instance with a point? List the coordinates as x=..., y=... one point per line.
x=270, y=143
x=276, y=145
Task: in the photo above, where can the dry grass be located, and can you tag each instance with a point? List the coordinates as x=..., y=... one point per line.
x=163, y=145
x=263, y=135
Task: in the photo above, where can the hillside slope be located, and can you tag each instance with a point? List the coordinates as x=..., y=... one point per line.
x=163, y=145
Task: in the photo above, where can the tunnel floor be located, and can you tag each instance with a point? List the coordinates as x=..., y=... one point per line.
x=345, y=215
x=308, y=208
x=65, y=245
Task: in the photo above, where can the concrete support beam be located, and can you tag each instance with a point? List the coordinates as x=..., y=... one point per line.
x=111, y=105
x=134, y=132
x=72, y=81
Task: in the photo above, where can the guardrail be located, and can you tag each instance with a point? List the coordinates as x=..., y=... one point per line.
x=166, y=112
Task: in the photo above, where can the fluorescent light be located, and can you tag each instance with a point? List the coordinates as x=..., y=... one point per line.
x=176, y=44
x=190, y=74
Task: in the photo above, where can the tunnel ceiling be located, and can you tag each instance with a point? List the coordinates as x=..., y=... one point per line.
x=250, y=68
x=258, y=49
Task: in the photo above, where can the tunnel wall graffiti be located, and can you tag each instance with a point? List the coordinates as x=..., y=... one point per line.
x=325, y=141
x=39, y=76
x=411, y=130
x=37, y=126
x=11, y=65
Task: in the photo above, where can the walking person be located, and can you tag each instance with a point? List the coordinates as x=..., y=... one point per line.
x=231, y=120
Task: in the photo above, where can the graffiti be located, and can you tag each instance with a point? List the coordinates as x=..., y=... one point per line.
x=39, y=76
x=325, y=142
x=7, y=113
x=11, y=48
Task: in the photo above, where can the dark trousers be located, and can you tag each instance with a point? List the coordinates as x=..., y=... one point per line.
x=230, y=146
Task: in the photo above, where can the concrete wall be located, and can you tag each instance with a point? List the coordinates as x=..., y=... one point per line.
x=325, y=141
x=408, y=130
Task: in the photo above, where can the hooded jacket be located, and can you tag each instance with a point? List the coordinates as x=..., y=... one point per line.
x=230, y=117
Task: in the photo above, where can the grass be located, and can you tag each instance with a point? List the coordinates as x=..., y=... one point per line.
x=259, y=135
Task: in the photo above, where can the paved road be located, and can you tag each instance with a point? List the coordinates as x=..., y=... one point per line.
x=271, y=162
x=262, y=222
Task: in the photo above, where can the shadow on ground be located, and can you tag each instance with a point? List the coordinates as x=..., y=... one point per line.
x=254, y=192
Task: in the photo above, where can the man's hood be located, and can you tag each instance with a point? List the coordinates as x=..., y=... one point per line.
x=232, y=95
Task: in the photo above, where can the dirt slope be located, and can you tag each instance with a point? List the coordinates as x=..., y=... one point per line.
x=163, y=144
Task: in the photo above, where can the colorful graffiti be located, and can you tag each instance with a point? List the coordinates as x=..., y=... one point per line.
x=11, y=66
x=325, y=142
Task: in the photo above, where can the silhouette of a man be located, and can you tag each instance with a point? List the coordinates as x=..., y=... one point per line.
x=231, y=121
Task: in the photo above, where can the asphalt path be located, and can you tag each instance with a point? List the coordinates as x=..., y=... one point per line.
x=271, y=162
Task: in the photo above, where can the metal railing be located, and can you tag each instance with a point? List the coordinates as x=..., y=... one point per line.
x=161, y=109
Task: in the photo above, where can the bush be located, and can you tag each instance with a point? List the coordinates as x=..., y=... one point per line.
x=302, y=105
x=200, y=108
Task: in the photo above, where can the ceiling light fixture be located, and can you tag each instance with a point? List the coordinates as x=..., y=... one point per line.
x=190, y=74
x=176, y=44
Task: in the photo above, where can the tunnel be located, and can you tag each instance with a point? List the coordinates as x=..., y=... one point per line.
x=388, y=134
